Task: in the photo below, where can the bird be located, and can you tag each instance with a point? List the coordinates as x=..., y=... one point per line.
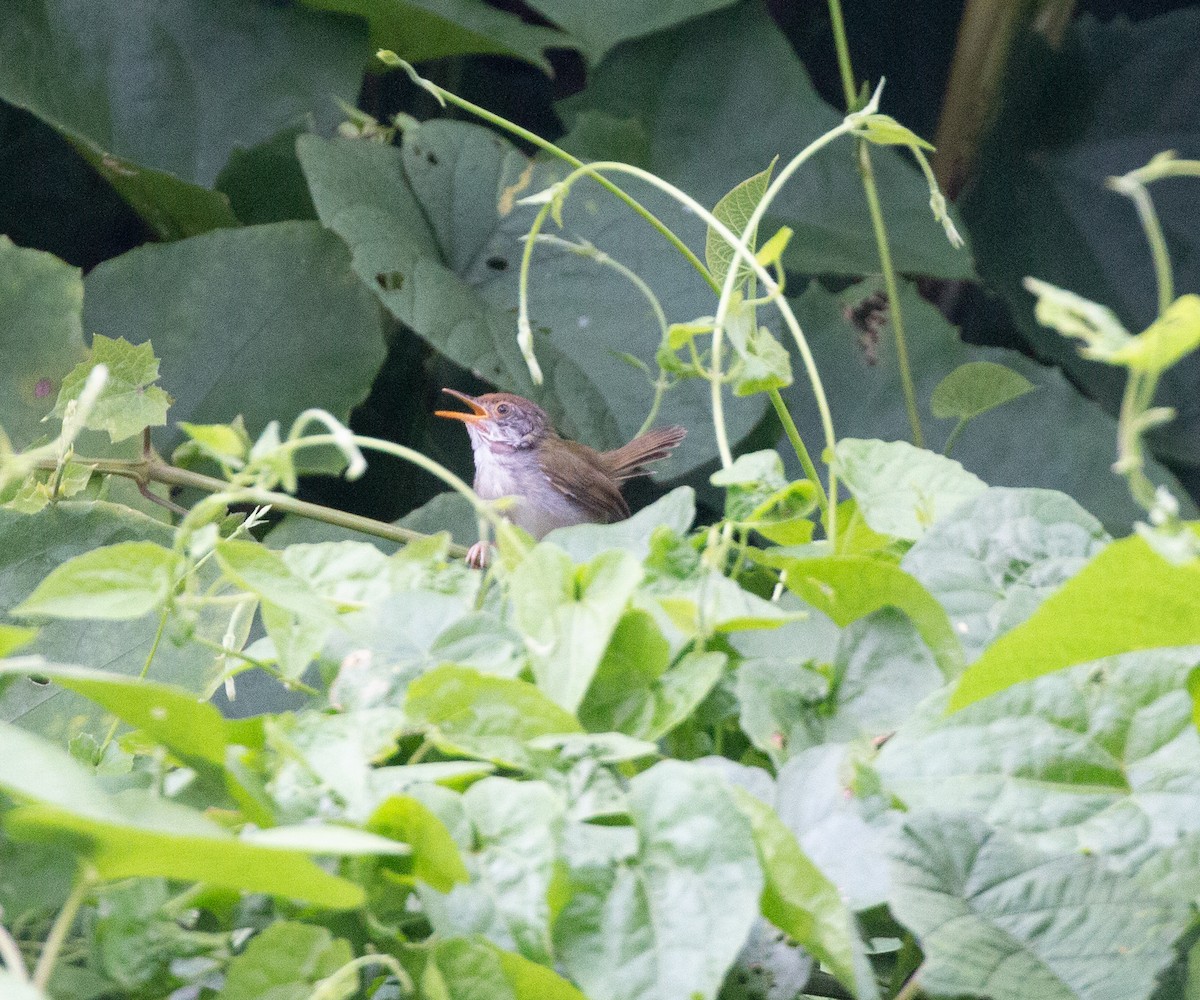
x=555, y=482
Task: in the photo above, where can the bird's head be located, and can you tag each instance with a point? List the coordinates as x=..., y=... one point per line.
x=500, y=421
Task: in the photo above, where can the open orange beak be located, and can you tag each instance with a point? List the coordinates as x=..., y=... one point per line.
x=478, y=411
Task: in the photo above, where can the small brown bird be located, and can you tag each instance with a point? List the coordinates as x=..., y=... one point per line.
x=555, y=482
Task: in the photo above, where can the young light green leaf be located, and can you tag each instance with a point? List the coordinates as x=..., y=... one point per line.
x=1127, y=598
x=801, y=901
x=902, y=490
x=1074, y=316
x=757, y=494
x=228, y=444
x=1166, y=341
x=975, y=388
x=763, y=364
x=772, y=251
x=113, y=582
x=735, y=209
x=483, y=716
x=884, y=130
x=130, y=401
x=13, y=637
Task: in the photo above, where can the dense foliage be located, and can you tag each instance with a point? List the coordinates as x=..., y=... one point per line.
x=762, y=739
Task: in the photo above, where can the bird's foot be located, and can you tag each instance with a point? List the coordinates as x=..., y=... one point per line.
x=477, y=555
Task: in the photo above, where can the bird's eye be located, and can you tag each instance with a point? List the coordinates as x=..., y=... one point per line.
x=502, y=409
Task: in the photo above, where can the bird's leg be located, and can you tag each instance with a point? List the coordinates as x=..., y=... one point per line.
x=477, y=555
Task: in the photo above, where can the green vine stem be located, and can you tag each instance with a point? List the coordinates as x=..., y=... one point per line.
x=867, y=173
x=10, y=953
x=60, y=929
x=740, y=250
x=741, y=254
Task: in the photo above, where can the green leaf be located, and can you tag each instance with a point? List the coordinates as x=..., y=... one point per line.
x=265, y=183
x=847, y=588
x=284, y=962
x=976, y=387
x=735, y=209
x=1102, y=759
x=758, y=494
x=71, y=67
x=996, y=918
x=902, y=490
x=636, y=691
x=798, y=899
x=115, y=582
x=226, y=443
x=583, y=542
x=474, y=968
x=41, y=336
x=1167, y=340
x=441, y=214
x=13, y=637
x=419, y=30
x=709, y=602
x=129, y=401
x=654, y=81
x=1066, y=441
x=515, y=834
x=435, y=857
x=884, y=130
x=993, y=560
x=763, y=364
x=567, y=615
x=30, y=548
x=220, y=357
x=256, y=568
x=670, y=920
x=193, y=730
x=1126, y=598
x=487, y=717
x=139, y=834
x=596, y=31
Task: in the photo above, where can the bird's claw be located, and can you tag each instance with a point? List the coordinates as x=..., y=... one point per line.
x=477, y=555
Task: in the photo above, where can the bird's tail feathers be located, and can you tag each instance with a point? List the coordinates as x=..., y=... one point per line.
x=630, y=460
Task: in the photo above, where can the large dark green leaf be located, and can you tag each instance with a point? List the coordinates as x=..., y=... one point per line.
x=1052, y=438
x=1103, y=758
x=667, y=924
x=419, y=30
x=436, y=234
x=998, y=919
x=1109, y=100
x=719, y=98
x=264, y=321
x=41, y=336
x=597, y=29
x=156, y=96
x=31, y=546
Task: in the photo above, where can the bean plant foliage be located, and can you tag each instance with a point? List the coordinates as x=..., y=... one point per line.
x=875, y=724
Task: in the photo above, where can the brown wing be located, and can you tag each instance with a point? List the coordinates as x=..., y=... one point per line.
x=578, y=473
x=630, y=460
